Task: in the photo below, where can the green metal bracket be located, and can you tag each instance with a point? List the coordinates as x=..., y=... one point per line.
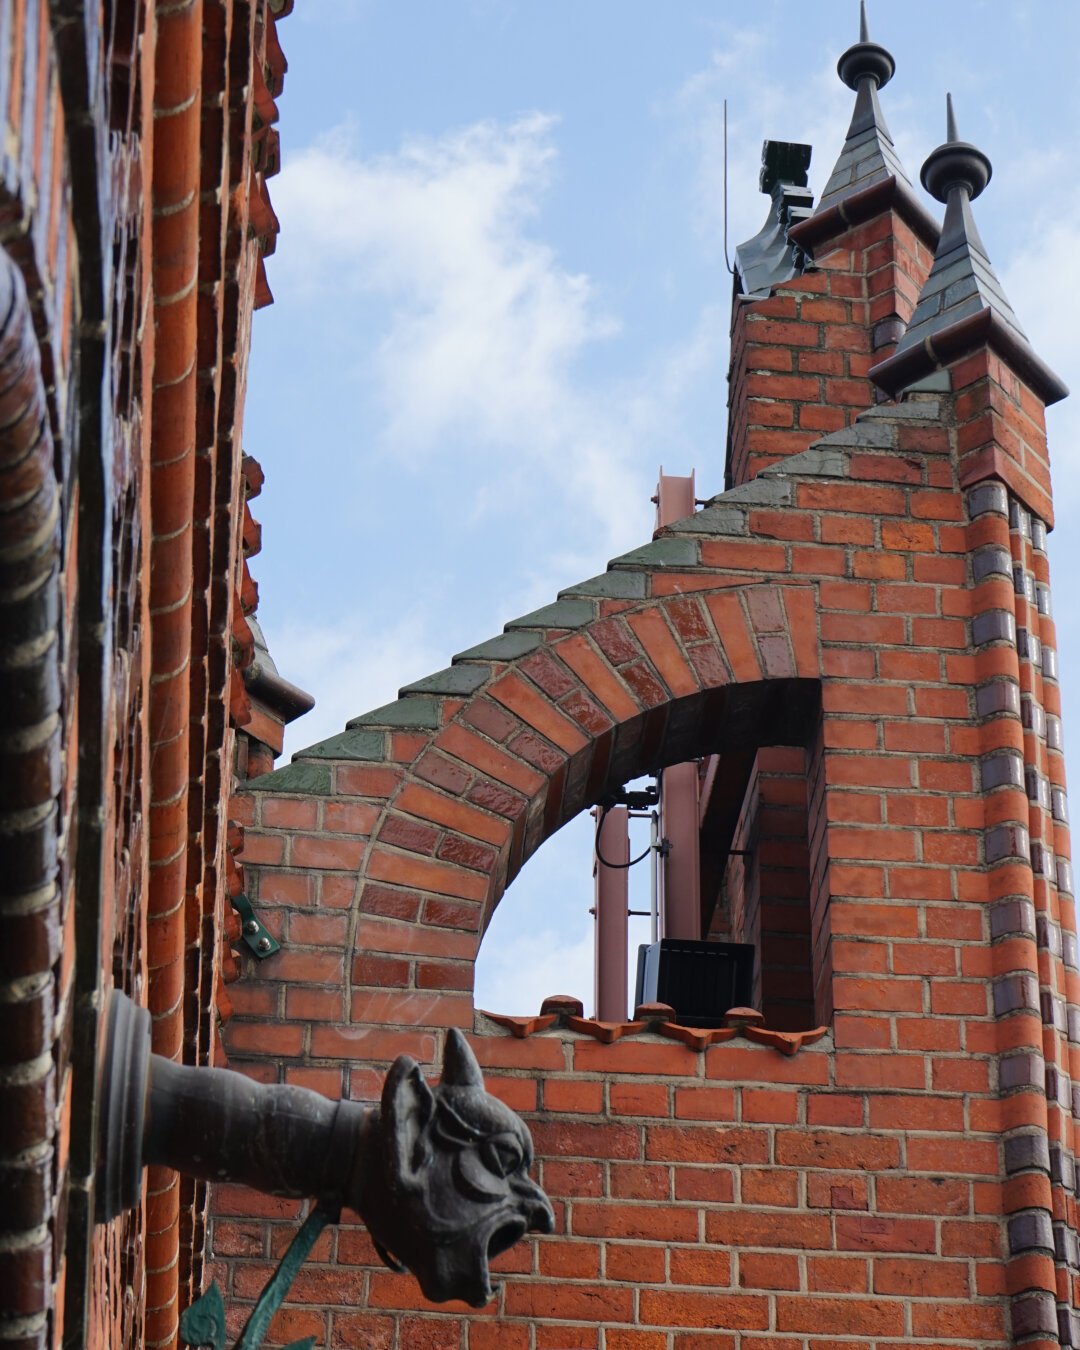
x=255, y=933
x=203, y=1324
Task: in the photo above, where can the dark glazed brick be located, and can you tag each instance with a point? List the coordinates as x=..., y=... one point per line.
x=1023, y=1071
x=1015, y=992
x=1019, y=519
x=1007, y=841
x=1028, y=645
x=455, y=680
x=615, y=641
x=1048, y=934
x=987, y=497
x=1012, y=916
x=1000, y=768
x=995, y=625
x=1027, y=1152
x=990, y=562
x=435, y=768
x=1062, y=1166
x=1034, y=1316
x=999, y=696
x=1032, y=717
x=1031, y=1231
x=490, y=718
x=550, y=675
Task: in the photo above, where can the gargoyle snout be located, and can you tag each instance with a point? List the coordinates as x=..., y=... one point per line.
x=540, y=1215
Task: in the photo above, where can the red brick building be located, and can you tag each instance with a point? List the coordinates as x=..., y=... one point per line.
x=135, y=220
x=859, y=629
x=856, y=635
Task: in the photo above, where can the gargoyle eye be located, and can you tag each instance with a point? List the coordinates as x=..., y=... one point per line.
x=502, y=1155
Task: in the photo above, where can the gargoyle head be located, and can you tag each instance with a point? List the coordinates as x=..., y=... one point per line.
x=451, y=1189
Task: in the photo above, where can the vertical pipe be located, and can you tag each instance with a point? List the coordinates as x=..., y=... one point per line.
x=612, y=904
x=654, y=876
x=175, y=187
x=681, y=867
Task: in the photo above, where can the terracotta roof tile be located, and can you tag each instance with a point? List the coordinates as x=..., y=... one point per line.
x=564, y=1012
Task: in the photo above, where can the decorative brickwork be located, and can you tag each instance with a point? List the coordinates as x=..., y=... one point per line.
x=126, y=339
x=857, y=636
x=379, y=854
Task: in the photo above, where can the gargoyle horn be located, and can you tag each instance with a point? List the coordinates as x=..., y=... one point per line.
x=460, y=1068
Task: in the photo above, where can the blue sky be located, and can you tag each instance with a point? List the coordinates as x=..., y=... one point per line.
x=502, y=304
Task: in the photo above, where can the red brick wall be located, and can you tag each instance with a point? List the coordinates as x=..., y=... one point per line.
x=799, y=359
x=886, y=1183
x=96, y=264
x=767, y=891
x=703, y=1200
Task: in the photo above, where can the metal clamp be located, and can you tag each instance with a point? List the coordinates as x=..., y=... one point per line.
x=255, y=933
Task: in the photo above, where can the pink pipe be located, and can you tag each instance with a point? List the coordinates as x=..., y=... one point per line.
x=680, y=906
x=612, y=903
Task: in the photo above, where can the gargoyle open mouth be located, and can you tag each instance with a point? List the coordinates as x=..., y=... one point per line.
x=505, y=1236
x=454, y=1192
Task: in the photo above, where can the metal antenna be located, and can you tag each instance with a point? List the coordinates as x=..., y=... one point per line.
x=864, y=27
x=727, y=262
x=951, y=135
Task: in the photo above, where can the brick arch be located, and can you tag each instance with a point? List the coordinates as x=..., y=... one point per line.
x=583, y=712
x=398, y=837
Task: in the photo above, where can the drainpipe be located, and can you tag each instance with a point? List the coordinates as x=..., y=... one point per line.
x=612, y=886
x=175, y=186
x=30, y=774
x=681, y=866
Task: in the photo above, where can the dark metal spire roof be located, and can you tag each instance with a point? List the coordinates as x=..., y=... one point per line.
x=770, y=257
x=962, y=281
x=962, y=302
x=869, y=155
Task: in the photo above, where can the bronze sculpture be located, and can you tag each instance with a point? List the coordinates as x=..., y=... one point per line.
x=438, y=1175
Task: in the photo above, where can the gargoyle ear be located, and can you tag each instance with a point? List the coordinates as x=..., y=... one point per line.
x=460, y=1068
x=407, y=1107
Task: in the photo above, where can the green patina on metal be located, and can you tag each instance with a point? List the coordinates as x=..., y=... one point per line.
x=255, y=933
x=204, y=1322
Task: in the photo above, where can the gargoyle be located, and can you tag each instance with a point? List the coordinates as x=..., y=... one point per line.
x=438, y=1175
x=451, y=1189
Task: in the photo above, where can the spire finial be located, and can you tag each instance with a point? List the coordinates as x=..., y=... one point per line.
x=956, y=164
x=866, y=60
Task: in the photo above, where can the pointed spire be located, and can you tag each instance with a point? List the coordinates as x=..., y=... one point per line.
x=956, y=164
x=961, y=281
x=869, y=155
x=962, y=302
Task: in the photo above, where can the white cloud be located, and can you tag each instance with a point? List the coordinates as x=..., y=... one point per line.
x=483, y=330
x=354, y=666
